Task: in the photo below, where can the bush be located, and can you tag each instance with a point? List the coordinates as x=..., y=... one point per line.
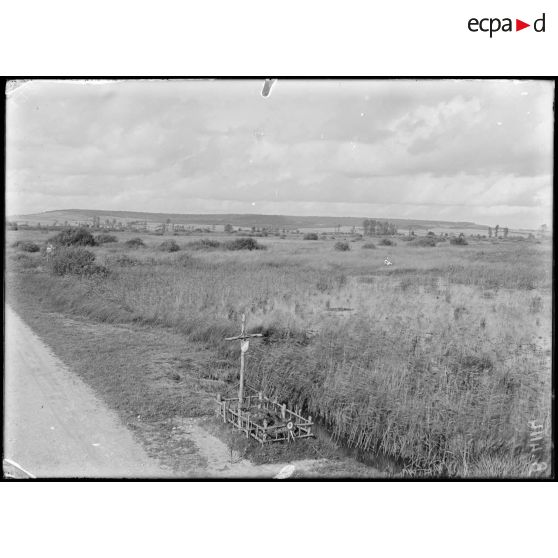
x=244, y=244
x=75, y=261
x=203, y=244
x=310, y=236
x=73, y=237
x=105, y=238
x=369, y=246
x=26, y=246
x=135, y=243
x=458, y=241
x=342, y=246
x=169, y=246
x=387, y=242
x=423, y=241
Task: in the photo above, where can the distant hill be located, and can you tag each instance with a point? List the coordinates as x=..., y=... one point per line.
x=73, y=216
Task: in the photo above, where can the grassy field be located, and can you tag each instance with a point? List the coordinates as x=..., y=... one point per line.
x=438, y=361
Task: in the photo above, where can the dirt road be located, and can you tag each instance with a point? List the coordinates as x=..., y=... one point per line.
x=54, y=424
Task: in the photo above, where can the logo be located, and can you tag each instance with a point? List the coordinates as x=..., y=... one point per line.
x=493, y=25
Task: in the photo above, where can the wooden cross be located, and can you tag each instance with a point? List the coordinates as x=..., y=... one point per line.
x=244, y=343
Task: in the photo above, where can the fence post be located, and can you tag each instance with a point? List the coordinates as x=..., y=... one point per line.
x=264, y=435
x=283, y=411
x=310, y=427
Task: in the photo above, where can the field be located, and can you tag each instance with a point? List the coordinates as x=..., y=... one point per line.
x=438, y=362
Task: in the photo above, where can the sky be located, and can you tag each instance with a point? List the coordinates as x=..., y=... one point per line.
x=452, y=150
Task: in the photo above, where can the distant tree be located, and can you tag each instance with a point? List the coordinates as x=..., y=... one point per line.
x=489, y=232
x=543, y=229
x=506, y=231
x=228, y=228
x=496, y=228
x=366, y=227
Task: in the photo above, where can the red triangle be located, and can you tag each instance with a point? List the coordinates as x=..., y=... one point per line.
x=519, y=25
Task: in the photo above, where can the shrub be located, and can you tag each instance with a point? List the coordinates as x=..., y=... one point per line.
x=105, y=238
x=387, y=242
x=310, y=236
x=135, y=243
x=73, y=237
x=26, y=246
x=423, y=241
x=169, y=246
x=458, y=241
x=342, y=246
x=203, y=244
x=75, y=261
x=369, y=246
x=244, y=243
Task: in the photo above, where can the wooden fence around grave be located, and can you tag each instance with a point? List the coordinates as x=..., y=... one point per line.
x=290, y=425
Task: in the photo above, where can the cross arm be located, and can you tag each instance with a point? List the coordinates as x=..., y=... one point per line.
x=246, y=336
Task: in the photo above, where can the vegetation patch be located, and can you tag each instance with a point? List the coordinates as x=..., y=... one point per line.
x=73, y=237
x=75, y=261
x=135, y=243
x=203, y=244
x=26, y=246
x=387, y=242
x=423, y=242
x=244, y=243
x=169, y=246
x=105, y=238
x=125, y=261
x=310, y=236
x=458, y=241
x=342, y=246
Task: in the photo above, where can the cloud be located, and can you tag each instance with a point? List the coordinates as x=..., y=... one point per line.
x=475, y=146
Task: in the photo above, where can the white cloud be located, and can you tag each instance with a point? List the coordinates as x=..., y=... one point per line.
x=405, y=147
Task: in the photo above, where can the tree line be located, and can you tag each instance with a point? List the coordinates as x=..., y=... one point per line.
x=374, y=227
